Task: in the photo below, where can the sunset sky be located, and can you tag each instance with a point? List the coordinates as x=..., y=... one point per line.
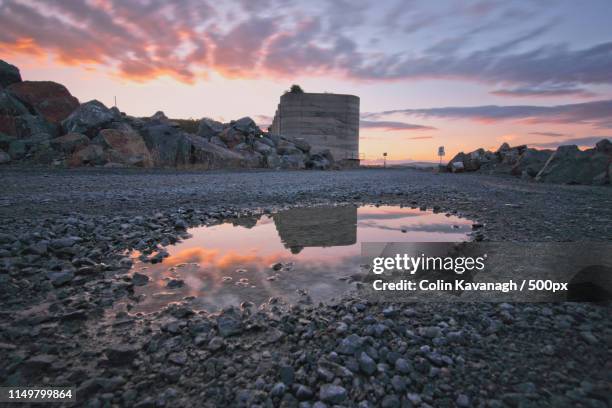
x=462, y=74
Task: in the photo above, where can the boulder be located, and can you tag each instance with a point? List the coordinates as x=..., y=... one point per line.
x=510, y=155
x=530, y=162
x=469, y=161
x=272, y=160
x=267, y=141
x=570, y=165
x=9, y=74
x=89, y=118
x=246, y=125
x=604, y=146
x=208, y=156
x=262, y=148
x=92, y=155
x=4, y=157
x=252, y=159
x=292, y=161
x=159, y=117
x=217, y=140
x=33, y=127
x=320, y=161
x=208, y=128
x=124, y=146
x=48, y=99
x=168, y=145
x=456, y=167
x=285, y=147
x=10, y=107
x=231, y=137
x=70, y=142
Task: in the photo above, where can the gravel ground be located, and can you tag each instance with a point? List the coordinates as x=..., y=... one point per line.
x=66, y=298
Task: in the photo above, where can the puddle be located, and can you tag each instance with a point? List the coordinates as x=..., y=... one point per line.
x=292, y=254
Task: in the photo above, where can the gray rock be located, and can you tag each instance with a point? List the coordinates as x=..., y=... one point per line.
x=278, y=390
x=9, y=74
x=366, y=364
x=303, y=392
x=229, y=322
x=333, y=394
x=292, y=162
x=208, y=128
x=286, y=147
x=570, y=165
x=89, y=118
x=403, y=366
x=59, y=278
x=351, y=344
x=70, y=142
x=121, y=354
x=246, y=125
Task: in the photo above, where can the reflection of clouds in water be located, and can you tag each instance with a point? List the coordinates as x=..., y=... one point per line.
x=251, y=244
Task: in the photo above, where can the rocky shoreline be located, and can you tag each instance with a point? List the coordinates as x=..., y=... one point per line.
x=41, y=123
x=66, y=308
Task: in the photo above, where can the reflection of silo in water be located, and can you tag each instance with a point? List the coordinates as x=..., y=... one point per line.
x=317, y=227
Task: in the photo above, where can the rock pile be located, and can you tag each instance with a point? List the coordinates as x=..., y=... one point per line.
x=42, y=123
x=567, y=164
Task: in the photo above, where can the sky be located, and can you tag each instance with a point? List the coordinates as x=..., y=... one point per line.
x=459, y=74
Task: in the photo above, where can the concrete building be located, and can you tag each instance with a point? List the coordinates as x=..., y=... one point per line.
x=324, y=120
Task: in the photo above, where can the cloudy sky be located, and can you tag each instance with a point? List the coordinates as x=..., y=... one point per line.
x=462, y=74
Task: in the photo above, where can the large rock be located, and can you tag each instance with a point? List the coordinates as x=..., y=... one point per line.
x=262, y=148
x=510, y=155
x=471, y=161
x=5, y=141
x=4, y=157
x=272, y=160
x=10, y=107
x=70, y=142
x=9, y=74
x=92, y=155
x=208, y=128
x=320, y=161
x=206, y=155
x=287, y=147
x=570, y=165
x=169, y=146
x=232, y=137
x=292, y=161
x=124, y=146
x=34, y=127
x=530, y=162
x=246, y=125
x=48, y=99
x=90, y=117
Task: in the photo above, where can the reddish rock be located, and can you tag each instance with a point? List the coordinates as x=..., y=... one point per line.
x=231, y=137
x=49, y=99
x=7, y=125
x=125, y=146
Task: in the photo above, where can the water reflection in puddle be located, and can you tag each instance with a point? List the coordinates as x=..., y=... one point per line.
x=291, y=254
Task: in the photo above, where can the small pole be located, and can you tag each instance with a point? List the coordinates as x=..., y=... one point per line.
x=115, y=101
x=385, y=160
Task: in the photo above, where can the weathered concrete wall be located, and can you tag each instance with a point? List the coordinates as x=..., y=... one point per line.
x=326, y=121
